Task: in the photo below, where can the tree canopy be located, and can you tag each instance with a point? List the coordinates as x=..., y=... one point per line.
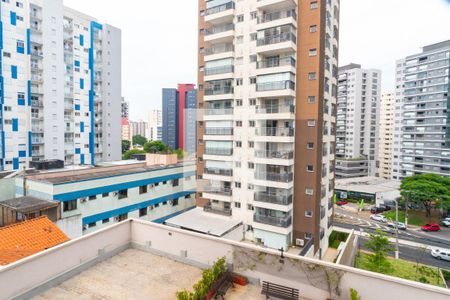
x=430, y=190
x=127, y=155
x=125, y=146
x=380, y=246
x=156, y=147
x=139, y=140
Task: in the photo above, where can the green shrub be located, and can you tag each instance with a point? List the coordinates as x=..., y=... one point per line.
x=336, y=237
x=354, y=295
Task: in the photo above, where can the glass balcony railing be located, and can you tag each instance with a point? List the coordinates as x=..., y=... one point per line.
x=275, y=85
x=219, y=131
x=275, y=62
x=275, y=109
x=276, y=16
x=272, y=176
x=219, y=151
x=219, y=91
x=274, y=221
x=276, y=154
x=216, y=210
x=225, y=191
x=219, y=29
x=216, y=171
x=219, y=70
x=277, y=38
x=218, y=111
x=274, y=131
x=274, y=198
x=219, y=8
x=217, y=49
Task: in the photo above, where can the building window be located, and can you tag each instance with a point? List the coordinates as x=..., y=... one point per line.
x=174, y=202
x=310, y=146
x=240, y=18
x=123, y=194
x=308, y=213
x=252, y=80
x=309, y=191
x=237, y=185
x=311, y=99
x=311, y=123
x=252, y=101
x=104, y=195
x=253, y=58
x=251, y=165
x=253, y=15
x=237, y=204
x=312, y=75
x=70, y=205
x=92, y=197
x=122, y=217
x=238, y=123
x=237, y=164
x=239, y=81
x=104, y=221
x=175, y=182
x=143, y=189
x=251, y=123
x=313, y=52
x=310, y=168
x=239, y=102
x=314, y=5
x=238, y=144
x=250, y=207
x=251, y=144
x=253, y=36
x=143, y=212
x=313, y=28
x=93, y=224
x=308, y=236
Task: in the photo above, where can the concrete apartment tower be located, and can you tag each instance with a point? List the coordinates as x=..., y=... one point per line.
x=357, y=121
x=385, y=143
x=267, y=100
x=61, y=85
x=155, y=124
x=422, y=113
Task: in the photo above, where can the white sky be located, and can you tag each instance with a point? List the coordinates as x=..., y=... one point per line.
x=159, y=39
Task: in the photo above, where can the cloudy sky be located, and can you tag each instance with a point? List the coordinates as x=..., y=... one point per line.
x=159, y=39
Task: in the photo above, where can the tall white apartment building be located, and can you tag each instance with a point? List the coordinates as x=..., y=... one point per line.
x=385, y=144
x=155, y=124
x=61, y=85
x=422, y=124
x=267, y=87
x=358, y=113
x=139, y=128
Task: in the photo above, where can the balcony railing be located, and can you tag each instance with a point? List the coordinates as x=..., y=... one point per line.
x=276, y=16
x=272, y=176
x=225, y=191
x=219, y=211
x=275, y=109
x=274, y=221
x=219, y=70
x=276, y=154
x=275, y=85
x=219, y=131
x=219, y=29
x=216, y=171
x=219, y=151
x=275, y=198
x=275, y=39
x=218, y=111
x=219, y=49
x=219, y=8
x=219, y=91
x=275, y=62
x=274, y=131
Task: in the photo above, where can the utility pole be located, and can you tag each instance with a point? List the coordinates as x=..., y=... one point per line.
x=396, y=230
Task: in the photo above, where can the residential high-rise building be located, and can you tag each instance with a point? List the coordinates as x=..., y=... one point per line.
x=61, y=86
x=422, y=120
x=358, y=113
x=155, y=124
x=385, y=154
x=125, y=108
x=179, y=115
x=126, y=130
x=139, y=128
x=267, y=85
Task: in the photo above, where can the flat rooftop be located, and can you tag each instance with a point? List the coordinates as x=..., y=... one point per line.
x=367, y=184
x=208, y=223
x=64, y=175
x=28, y=204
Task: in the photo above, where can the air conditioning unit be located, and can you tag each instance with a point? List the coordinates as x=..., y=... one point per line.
x=300, y=242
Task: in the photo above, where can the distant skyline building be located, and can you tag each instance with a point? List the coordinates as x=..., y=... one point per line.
x=155, y=124
x=139, y=128
x=178, y=116
x=125, y=108
x=385, y=144
x=422, y=113
x=126, y=130
x=357, y=121
x=61, y=86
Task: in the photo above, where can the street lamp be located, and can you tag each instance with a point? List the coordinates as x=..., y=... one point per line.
x=396, y=230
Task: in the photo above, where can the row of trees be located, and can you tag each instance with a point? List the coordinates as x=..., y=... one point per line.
x=146, y=146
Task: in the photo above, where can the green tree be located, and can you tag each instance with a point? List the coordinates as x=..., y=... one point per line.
x=127, y=155
x=125, y=146
x=380, y=246
x=179, y=152
x=139, y=140
x=430, y=190
x=156, y=147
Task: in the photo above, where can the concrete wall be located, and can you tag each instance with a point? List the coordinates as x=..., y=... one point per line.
x=308, y=275
x=347, y=251
x=7, y=188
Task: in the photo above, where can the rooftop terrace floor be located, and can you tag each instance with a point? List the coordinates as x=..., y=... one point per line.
x=132, y=274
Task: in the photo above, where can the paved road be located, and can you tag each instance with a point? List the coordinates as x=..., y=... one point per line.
x=413, y=254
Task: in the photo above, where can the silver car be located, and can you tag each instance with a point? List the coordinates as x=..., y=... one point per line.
x=443, y=254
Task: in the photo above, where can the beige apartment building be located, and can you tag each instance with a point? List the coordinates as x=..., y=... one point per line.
x=385, y=146
x=267, y=81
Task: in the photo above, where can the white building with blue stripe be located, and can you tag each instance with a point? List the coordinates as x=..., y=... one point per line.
x=92, y=198
x=60, y=80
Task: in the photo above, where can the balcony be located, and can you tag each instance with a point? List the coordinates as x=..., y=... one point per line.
x=224, y=191
x=273, y=221
x=278, y=38
x=219, y=91
x=275, y=85
x=221, y=172
x=215, y=210
x=220, y=13
x=218, y=111
x=219, y=131
x=218, y=51
x=219, y=70
x=277, y=18
x=219, y=151
x=274, y=4
x=274, y=198
x=274, y=154
x=220, y=33
x=275, y=44
x=275, y=131
x=276, y=62
x=273, y=176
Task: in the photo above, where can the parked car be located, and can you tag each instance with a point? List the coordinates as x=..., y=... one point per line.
x=441, y=254
x=378, y=218
x=446, y=222
x=342, y=202
x=379, y=209
x=400, y=225
x=431, y=227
